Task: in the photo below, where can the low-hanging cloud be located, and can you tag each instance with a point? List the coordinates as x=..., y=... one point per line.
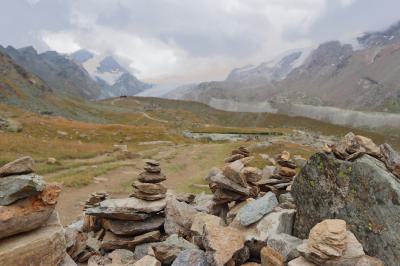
x=183, y=41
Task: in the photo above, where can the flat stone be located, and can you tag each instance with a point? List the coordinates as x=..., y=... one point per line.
x=153, y=169
x=150, y=188
x=29, y=213
x=152, y=162
x=112, y=241
x=256, y=209
x=23, y=165
x=232, y=172
x=286, y=245
x=178, y=217
x=133, y=228
x=147, y=261
x=148, y=197
x=368, y=146
x=192, y=257
x=13, y=188
x=221, y=244
x=234, y=157
x=286, y=172
x=225, y=183
x=224, y=196
x=44, y=246
x=127, y=208
x=271, y=257
x=151, y=177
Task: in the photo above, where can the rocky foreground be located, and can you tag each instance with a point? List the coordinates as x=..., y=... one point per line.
x=341, y=207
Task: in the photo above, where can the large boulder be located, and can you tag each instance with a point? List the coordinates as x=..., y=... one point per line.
x=363, y=193
x=23, y=165
x=13, y=188
x=29, y=213
x=42, y=247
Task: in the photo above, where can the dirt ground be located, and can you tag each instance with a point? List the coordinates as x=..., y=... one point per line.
x=184, y=166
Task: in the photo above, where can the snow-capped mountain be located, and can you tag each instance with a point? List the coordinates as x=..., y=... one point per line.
x=114, y=79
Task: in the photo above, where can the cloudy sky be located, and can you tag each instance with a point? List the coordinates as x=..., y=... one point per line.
x=175, y=41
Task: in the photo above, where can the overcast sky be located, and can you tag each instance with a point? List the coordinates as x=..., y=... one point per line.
x=170, y=41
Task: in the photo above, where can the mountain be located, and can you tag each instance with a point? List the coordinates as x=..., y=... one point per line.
x=113, y=79
x=62, y=74
x=332, y=75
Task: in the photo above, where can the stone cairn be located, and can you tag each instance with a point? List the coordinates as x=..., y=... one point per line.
x=94, y=199
x=29, y=227
x=150, y=187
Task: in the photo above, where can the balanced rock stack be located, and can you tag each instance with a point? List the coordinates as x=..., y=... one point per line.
x=30, y=233
x=281, y=177
x=95, y=198
x=149, y=186
x=238, y=154
x=330, y=243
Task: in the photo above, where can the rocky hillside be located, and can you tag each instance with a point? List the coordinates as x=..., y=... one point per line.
x=114, y=79
x=64, y=76
x=333, y=74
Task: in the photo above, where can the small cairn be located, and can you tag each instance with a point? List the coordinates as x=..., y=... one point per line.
x=95, y=198
x=149, y=185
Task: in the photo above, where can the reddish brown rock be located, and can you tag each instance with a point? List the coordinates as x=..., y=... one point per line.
x=271, y=257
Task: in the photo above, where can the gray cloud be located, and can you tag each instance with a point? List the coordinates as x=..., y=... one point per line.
x=183, y=41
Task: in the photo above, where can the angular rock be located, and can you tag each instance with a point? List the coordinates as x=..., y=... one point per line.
x=232, y=172
x=150, y=188
x=221, y=244
x=251, y=174
x=268, y=171
x=192, y=257
x=168, y=250
x=148, y=197
x=283, y=156
x=178, y=217
x=368, y=146
x=286, y=198
x=286, y=172
x=68, y=261
x=133, y=228
x=286, y=245
x=29, y=213
x=225, y=183
x=44, y=246
x=271, y=257
x=199, y=221
x=13, y=188
x=24, y=165
x=131, y=209
x=204, y=203
x=234, y=157
x=151, y=177
x=143, y=250
x=147, y=261
x=363, y=193
x=301, y=261
x=391, y=159
x=224, y=196
x=256, y=209
x=121, y=256
x=112, y=241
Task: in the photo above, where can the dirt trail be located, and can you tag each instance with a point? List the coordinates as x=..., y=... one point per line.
x=183, y=165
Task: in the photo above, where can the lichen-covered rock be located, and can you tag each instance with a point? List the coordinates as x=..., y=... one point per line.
x=29, y=213
x=42, y=247
x=13, y=188
x=363, y=193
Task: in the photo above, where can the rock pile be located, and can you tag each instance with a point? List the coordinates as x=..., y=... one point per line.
x=355, y=180
x=95, y=198
x=30, y=232
x=150, y=187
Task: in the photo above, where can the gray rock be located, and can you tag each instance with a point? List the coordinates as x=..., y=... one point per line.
x=192, y=257
x=44, y=246
x=391, y=158
x=168, y=250
x=131, y=209
x=256, y=209
x=363, y=193
x=24, y=165
x=232, y=171
x=286, y=198
x=121, y=256
x=133, y=228
x=112, y=241
x=225, y=183
x=285, y=244
x=204, y=203
x=268, y=171
x=178, y=217
x=143, y=250
x=13, y=188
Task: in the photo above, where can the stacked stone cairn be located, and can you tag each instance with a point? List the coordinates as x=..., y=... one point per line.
x=150, y=187
x=95, y=198
x=30, y=230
